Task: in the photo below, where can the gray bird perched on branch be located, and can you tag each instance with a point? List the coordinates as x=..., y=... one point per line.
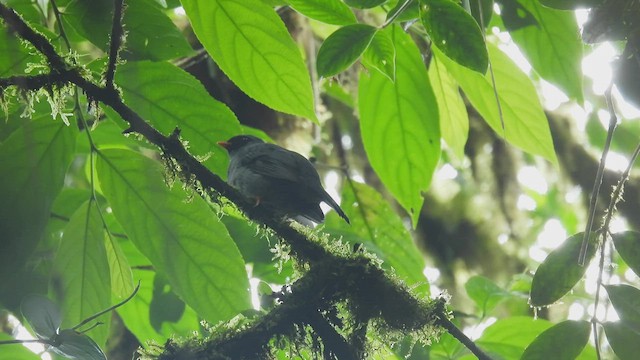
x=278, y=179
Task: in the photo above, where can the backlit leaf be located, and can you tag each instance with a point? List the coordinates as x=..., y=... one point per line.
x=564, y=340
x=399, y=124
x=381, y=54
x=168, y=97
x=328, y=11
x=151, y=35
x=81, y=270
x=626, y=300
x=627, y=244
x=455, y=32
x=560, y=271
x=454, y=121
x=342, y=48
x=249, y=42
x=364, y=4
x=623, y=339
x=178, y=237
x=553, y=46
x=525, y=124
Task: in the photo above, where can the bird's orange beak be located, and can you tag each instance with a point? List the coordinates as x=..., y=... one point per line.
x=224, y=144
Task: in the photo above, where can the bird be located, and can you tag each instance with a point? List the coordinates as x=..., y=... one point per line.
x=278, y=179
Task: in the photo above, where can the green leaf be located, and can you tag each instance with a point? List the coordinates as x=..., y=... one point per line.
x=137, y=313
x=328, y=11
x=381, y=230
x=484, y=8
x=178, y=237
x=623, y=339
x=553, y=47
x=81, y=271
x=571, y=4
x=508, y=337
x=626, y=300
x=14, y=55
x=151, y=35
x=249, y=42
x=121, y=276
x=485, y=293
x=34, y=160
x=75, y=345
x=454, y=121
x=342, y=48
x=525, y=124
x=628, y=245
x=364, y=4
x=159, y=93
x=455, y=33
x=564, y=340
x=399, y=125
x=381, y=54
x=560, y=271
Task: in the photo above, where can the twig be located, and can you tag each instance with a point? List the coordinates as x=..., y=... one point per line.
x=616, y=196
x=113, y=307
x=115, y=43
x=613, y=121
x=443, y=320
x=393, y=17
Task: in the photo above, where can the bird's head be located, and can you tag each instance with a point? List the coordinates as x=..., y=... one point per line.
x=238, y=142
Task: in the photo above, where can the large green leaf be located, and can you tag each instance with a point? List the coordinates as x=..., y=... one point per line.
x=33, y=163
x=379, y=228
x=553, y=46
x=628, y=245
x=399, y=124
x=249, y=42
x=151, y=35
x=525, y=124
x=381, y=54
x=342, y=48
x=328, y=11
x=565, y=341
x=560, y=271
x=178, y=237
x=138, y=313
x=454, y=121
x=455, y=32
x=120, y=270
x=81, y=271
x=623, y=339
x=626, y=300
x=507, y=338
x=169, y=97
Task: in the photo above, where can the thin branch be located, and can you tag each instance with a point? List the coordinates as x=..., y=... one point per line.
x=616, y=196
x=613, y=121
x=56, y=13
x=115, y=42
x=443, y=320
x=393, y=17
x=90, y=318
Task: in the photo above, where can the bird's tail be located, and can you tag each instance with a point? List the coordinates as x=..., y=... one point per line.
x=334, y=205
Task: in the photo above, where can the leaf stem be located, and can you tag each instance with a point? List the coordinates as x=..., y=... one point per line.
x=595, y=192
x=90, y=318
x=395, y=15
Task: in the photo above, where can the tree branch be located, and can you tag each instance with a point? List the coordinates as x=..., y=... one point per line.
x=115, y=42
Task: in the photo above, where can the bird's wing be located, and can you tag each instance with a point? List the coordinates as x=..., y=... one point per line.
x=279, y=163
